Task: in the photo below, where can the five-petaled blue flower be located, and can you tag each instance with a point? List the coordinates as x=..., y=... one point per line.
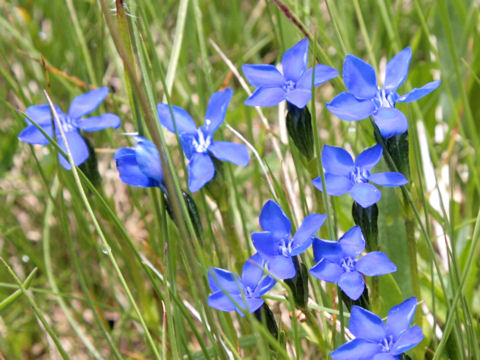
x=336, y=262
x=294, y=85
x=198, y=144
x=82, y=105
x=276, y=246
x=230, y=292
x=140, y=166
x=343, y=176
x=364, y=98
x=378, y=341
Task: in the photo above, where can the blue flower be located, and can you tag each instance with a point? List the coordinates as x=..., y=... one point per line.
x=364, y=98
x=336, y=262
x=140, y=166
x=294, y=85
x=231, y=292
x=276, y=246
x=378, y=341
x=198, y=144
x=343, y=176
x=82, y=105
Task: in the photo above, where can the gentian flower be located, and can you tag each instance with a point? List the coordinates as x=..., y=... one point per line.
x=231, y=292
x=378, y=341
x=276, y=246
x=198, y=144
x=364, y=98
x=140, y=166
x=343, y=176
x=294, y=85
x=71, y=122
x=336, y=262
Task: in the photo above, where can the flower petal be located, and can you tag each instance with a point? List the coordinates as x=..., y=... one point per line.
x=281, y=267
x=86, y=103
x=375, y=263
x=200, y=171
x=232, y=152
x=223, y=280
x=390, y=122
x=388, y=179
x=272, y=218
x=352, y=284
x=252, y=271
x=418, y=93
x=183, y=120
x=347, y=107
x=216, y=109
x=41, y=114
x=303, y=237
x=327, y=271
x=335, y=184
x=265, y=243
x=98, y=122
x=294, y=61
x=220, y=301
x=299, y=97
x=148, y=159
x=265, y=285
x=330, y=250
x=357, y=349
x=323, y=73
x=365, y=194
x=359, y=77
x=32, y=135
x=407, y=340
x=336, y=160
x=352, y=242
x=266, y=97
x=366, y=325
x=397, y=69
x=400, y=317
x=129, y=170
x=385, y=356
x=370, y=157
x=77, y=146
x=263, y=75
x=254, y=304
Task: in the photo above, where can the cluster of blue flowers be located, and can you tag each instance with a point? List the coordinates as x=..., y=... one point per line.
x=340, y=262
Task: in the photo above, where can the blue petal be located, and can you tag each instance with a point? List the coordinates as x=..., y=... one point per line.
x=407, y=340
x=388, y=179
x=232, y=152
x=418, y=93
x=252, y=271
x=357, y=349
x=183, y=120
x=294, y=61
x=129, y=170
x=148, y=159
x=303, y=238
x=390, y=122
x=41, y=114
x=375, y=263
x=366, y=325
x=223, y=280
x=186, y=140
x=32, y=135
x=266, y=97
x=397, y=69
x=265, y=243
x=264, y=286
x=86, y=103
x=281, y=267
x=299, y=97
x=365, y=194
x=347, y=107
x=323, y=73
x=336, y=185
x=98, y=122
x=400, y=317
x=352, y=242
x=77, y=146
x=263, y=75
x=327, y=271
x=254, y=304
x=385, y=356
x=330, y=250
x=337, y=161
x=216, y=109
x=220, y=301
x=359, y=77
x=352, y=284
x=272, y=218
x=370, y=157
x=200, y=171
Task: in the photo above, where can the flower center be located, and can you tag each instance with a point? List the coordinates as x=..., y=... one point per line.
x=248, y=291
x=387, y=343
x=285, y=247
x=201, y=142
x=289, y=85
x=348, y=264
x=66, y=122
x=385, y=98
x=359, y=175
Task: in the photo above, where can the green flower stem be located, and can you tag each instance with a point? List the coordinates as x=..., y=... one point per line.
x=299, y=284
x=265, y=315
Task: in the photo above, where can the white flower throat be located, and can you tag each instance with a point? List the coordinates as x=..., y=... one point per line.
x=201, y=142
